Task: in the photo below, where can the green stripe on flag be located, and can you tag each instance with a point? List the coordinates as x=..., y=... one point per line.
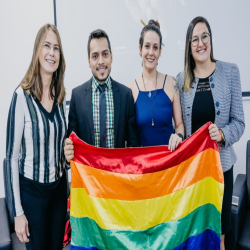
x=87, y=233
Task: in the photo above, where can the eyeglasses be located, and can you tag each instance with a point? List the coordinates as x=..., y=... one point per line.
x=56, y=49
x=204, y=37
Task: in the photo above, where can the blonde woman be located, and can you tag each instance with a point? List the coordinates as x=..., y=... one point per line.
x=34, y=155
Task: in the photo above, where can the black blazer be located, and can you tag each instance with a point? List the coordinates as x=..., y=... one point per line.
x=81, y=115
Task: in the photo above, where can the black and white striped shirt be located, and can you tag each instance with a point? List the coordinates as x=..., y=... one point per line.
x=34, y=145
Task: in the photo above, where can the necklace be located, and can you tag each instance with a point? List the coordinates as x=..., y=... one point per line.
x=149, y=95
x=149, y=92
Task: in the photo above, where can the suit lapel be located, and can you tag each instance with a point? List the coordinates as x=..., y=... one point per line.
x=219, y=89
x=88, y=108
x=116, y=98
x=188, y=105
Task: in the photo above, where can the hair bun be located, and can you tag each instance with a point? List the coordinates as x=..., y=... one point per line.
x=153, y=22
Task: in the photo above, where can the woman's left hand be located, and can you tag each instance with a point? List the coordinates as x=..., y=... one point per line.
x=214, y=133
x=174, y=142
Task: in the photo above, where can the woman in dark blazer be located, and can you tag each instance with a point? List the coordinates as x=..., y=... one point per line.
x=211, y=91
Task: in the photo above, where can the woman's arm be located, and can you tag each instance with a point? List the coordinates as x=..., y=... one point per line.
x=176, y=139
x=235, y=129
x=15, y=128
x=177, y=112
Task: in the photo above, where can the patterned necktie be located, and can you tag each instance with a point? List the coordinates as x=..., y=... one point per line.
x=102, y=110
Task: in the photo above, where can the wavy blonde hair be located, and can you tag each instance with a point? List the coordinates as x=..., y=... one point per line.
x=32, y=81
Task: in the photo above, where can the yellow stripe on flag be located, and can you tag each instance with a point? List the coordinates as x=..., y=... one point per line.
x=131, y=187
x=142, y=214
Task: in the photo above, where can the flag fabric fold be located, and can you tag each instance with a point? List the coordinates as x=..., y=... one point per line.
x=147, y=198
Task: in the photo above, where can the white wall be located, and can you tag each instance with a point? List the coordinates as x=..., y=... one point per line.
x=240, y=147
x=20, y=21
x=229, y=21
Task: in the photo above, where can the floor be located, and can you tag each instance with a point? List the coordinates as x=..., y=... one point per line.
x=18, y=245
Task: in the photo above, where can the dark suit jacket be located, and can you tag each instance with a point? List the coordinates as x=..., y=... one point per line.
x=81, y=115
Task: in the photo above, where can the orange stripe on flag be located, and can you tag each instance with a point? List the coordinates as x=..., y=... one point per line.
x=131, y=187
x=142, y=160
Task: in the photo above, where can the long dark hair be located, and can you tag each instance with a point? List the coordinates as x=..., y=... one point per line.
x=189, y=63
x=154, y=26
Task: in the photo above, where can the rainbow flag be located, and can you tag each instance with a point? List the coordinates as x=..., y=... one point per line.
x=147, y=198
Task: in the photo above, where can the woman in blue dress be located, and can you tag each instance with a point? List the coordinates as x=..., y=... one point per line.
x=156, y=95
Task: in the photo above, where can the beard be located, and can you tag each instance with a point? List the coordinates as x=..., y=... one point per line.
x=102, y=79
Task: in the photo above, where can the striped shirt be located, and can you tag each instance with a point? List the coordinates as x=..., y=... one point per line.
x=109, y=112
x=35, y=140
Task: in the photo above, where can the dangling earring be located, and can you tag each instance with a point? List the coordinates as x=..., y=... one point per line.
x=141, y=63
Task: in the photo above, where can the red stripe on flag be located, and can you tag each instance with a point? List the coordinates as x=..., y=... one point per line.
x=141, y=160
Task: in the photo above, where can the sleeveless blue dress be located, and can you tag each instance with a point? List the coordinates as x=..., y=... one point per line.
x=157, y=109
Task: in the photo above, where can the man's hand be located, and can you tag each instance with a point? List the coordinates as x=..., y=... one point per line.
x=68, y=149
x=21, y=228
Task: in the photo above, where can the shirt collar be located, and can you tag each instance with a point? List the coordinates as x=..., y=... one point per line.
x=95, y=83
